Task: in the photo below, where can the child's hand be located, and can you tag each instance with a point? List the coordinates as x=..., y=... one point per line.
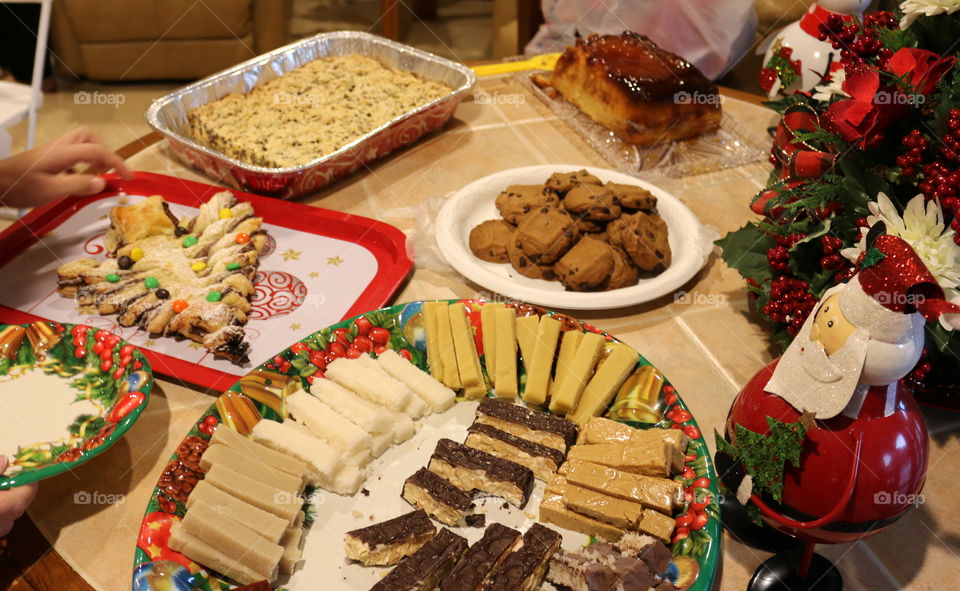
x=13, y=502
x=45, y=173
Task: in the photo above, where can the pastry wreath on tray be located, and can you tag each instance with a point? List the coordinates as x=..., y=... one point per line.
x=186, y=278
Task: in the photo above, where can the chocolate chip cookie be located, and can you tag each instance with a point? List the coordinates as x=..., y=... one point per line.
x=561, y=182
x=522, y=263
x=624, y=274
x=587, y=265
x=546, y=234
x=516, y=201
x=489, y=240
x=645, y=238
x=591, y=202
x=632, y=196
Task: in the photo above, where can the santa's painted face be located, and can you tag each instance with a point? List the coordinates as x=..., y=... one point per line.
x=830, y=328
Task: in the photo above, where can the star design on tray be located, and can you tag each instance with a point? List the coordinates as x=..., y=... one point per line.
x=290, y=254
x=314, y=274
x=150, y=343
x=294, y=326
x=194, y=346
x=335, y=261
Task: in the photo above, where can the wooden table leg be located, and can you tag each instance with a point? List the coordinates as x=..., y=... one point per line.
x=28, y=563
x=390, y=19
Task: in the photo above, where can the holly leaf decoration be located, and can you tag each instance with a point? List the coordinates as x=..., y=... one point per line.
x=871, y=258
x=765, y=455
x=746, y=251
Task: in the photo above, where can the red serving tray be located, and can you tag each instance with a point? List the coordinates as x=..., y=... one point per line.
x=385, y=242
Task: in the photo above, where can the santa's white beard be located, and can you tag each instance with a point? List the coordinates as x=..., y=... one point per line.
x=811, y=380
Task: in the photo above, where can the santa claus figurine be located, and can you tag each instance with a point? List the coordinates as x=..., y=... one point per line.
x=864, y=457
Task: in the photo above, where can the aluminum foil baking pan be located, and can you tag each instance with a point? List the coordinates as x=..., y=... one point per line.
x=168, y=114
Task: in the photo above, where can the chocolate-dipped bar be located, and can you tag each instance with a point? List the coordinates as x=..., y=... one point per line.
x=469, y=468
x=387, y=542
x=423, y=569
x=481, y=559
x=524, y=569
x=438, y=497
x=653, y=552
x=542, y=459
x=534, y=425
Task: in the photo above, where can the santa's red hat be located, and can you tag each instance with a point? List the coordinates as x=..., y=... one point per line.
x=892, y=283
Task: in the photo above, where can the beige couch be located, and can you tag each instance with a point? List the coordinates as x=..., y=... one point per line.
x=164, y=39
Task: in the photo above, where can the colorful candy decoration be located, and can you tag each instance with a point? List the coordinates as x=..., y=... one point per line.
x=189, y=241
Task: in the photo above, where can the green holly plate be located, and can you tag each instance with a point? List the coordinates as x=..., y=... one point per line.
x=647, y=400
x=68, y=392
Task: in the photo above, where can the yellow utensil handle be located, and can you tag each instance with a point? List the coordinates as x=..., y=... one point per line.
x=505, y=68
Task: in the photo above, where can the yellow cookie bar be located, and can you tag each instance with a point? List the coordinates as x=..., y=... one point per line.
x=506, y=346
x=578, y=373
x=233, y=538
x=266, y=524
x=538, y=372
x=205, y=554
x=656, y=524
x=526, y=337
x=488, y=329
x=568, y=352
x=611, y=373
x=429, y=312
x=468, y=362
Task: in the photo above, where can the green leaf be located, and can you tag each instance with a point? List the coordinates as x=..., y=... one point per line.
x=871, y=258
x=745, y=250
x=764, y=455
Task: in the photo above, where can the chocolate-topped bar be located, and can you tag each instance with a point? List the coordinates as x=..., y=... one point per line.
x=533, y=425
x=437, y=496
x=468, y=468
x=481, y=559
x=387, y=542
x=524, y=569
x=422, y=570
x=542, y=459
x=600, y=566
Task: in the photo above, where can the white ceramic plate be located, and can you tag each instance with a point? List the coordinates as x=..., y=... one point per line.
x=690, y=243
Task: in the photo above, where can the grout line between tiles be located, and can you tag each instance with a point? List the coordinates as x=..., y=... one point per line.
x=523, y=140
x=707, y=353
x=884, y=572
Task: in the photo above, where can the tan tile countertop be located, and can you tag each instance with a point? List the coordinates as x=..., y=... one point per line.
x=705, y=342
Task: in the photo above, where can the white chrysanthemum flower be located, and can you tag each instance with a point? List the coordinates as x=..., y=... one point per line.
x=825, y=92
x=913, y=9
x=922, y=227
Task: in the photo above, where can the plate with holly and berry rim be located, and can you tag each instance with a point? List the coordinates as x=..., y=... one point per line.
x=69, y=392
x=646, y=400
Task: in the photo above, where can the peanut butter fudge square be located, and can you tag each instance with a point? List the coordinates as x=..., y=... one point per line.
x=586, y=265
x=561, y=182
x=632, y=196
x=489, y=240
x=437, y=496
x=516, y=201
x=545, y=235
x=592, y=203
x=423, y=570
x=468, y=469
x=525, y=266
x=645, y=238
x=481, y=559
x=524, y=569
x=387, y=542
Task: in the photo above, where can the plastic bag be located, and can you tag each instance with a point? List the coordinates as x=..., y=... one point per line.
x=712, y=34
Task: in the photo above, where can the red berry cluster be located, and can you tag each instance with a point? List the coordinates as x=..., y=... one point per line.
x=939, y=176
x=856, y=43
x=790, y=302
x=920, y=371
x=916, y=150
x=779, y=255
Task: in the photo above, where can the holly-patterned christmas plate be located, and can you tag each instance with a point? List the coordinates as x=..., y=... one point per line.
x=647, y=400
x=68, y=392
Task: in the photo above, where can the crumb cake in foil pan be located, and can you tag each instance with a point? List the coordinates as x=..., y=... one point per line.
x=332, y=102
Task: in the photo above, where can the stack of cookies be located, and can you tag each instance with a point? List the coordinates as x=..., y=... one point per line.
x=576, y=229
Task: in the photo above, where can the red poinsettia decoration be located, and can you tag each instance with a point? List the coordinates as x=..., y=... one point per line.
x=873, y=106
x=920, y=68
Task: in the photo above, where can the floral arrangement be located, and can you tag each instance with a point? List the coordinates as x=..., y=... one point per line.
x=877, y=139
